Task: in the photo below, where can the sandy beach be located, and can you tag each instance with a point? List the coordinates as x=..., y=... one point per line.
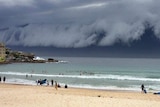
x=45, y=96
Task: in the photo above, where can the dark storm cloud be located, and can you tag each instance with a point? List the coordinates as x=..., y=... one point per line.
x=76, y=23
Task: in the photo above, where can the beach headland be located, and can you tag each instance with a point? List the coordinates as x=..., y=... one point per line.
x=23, y=57
x=13, y=95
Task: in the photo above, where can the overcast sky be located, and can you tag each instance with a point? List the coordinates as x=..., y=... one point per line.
x=76, y=23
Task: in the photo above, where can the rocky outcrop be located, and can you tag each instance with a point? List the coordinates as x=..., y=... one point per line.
x=23, y=57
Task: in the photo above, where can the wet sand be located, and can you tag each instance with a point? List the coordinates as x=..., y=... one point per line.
x=46, y=96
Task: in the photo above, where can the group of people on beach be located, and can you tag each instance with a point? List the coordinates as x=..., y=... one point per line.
x=4, y=79
x=53, y=83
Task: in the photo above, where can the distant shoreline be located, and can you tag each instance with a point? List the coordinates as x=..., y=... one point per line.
x=112, y=90
x=34, y=61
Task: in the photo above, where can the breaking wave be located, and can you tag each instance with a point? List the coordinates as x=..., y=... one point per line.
x=105, y=76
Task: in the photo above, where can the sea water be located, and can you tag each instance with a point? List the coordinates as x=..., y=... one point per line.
x=89, y=72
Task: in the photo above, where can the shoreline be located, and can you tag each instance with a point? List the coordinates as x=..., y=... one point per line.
x=45, y=85
x=74, y=88
x=89, y=88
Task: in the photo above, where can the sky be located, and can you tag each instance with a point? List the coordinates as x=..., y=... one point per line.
x=82, y=27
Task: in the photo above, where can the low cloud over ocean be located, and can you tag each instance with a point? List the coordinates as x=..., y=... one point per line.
x=76, y=23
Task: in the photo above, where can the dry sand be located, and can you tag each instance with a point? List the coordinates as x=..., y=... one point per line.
x=42, y=96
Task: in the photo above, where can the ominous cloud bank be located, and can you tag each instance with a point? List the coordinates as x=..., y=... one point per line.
x=76, y=23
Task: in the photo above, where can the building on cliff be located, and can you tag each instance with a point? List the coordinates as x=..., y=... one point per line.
x=2, y=52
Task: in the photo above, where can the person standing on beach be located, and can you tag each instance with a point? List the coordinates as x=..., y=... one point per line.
x=0, y=78
x=52, y=82
x=4, y=79
x=142, y=87
x=56, y=85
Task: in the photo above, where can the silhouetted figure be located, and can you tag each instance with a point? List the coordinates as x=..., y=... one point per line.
x=0, y=79
x=4, y=79
x=52, y=82
x=26, y=75
x=143, y=88
x=66, y=86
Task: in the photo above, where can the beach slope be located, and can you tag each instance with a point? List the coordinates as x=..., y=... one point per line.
x=42, y=96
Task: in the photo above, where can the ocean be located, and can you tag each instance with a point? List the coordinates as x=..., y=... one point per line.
x=89, y=72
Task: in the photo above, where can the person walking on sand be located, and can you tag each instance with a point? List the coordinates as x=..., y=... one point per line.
x=56, y=85
x=0, y=78
x=143, y=88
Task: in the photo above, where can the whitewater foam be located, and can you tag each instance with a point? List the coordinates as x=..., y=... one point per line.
x=112, y=77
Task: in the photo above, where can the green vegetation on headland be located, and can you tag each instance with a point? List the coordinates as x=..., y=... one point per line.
x=2, y=59
x=23, y=57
